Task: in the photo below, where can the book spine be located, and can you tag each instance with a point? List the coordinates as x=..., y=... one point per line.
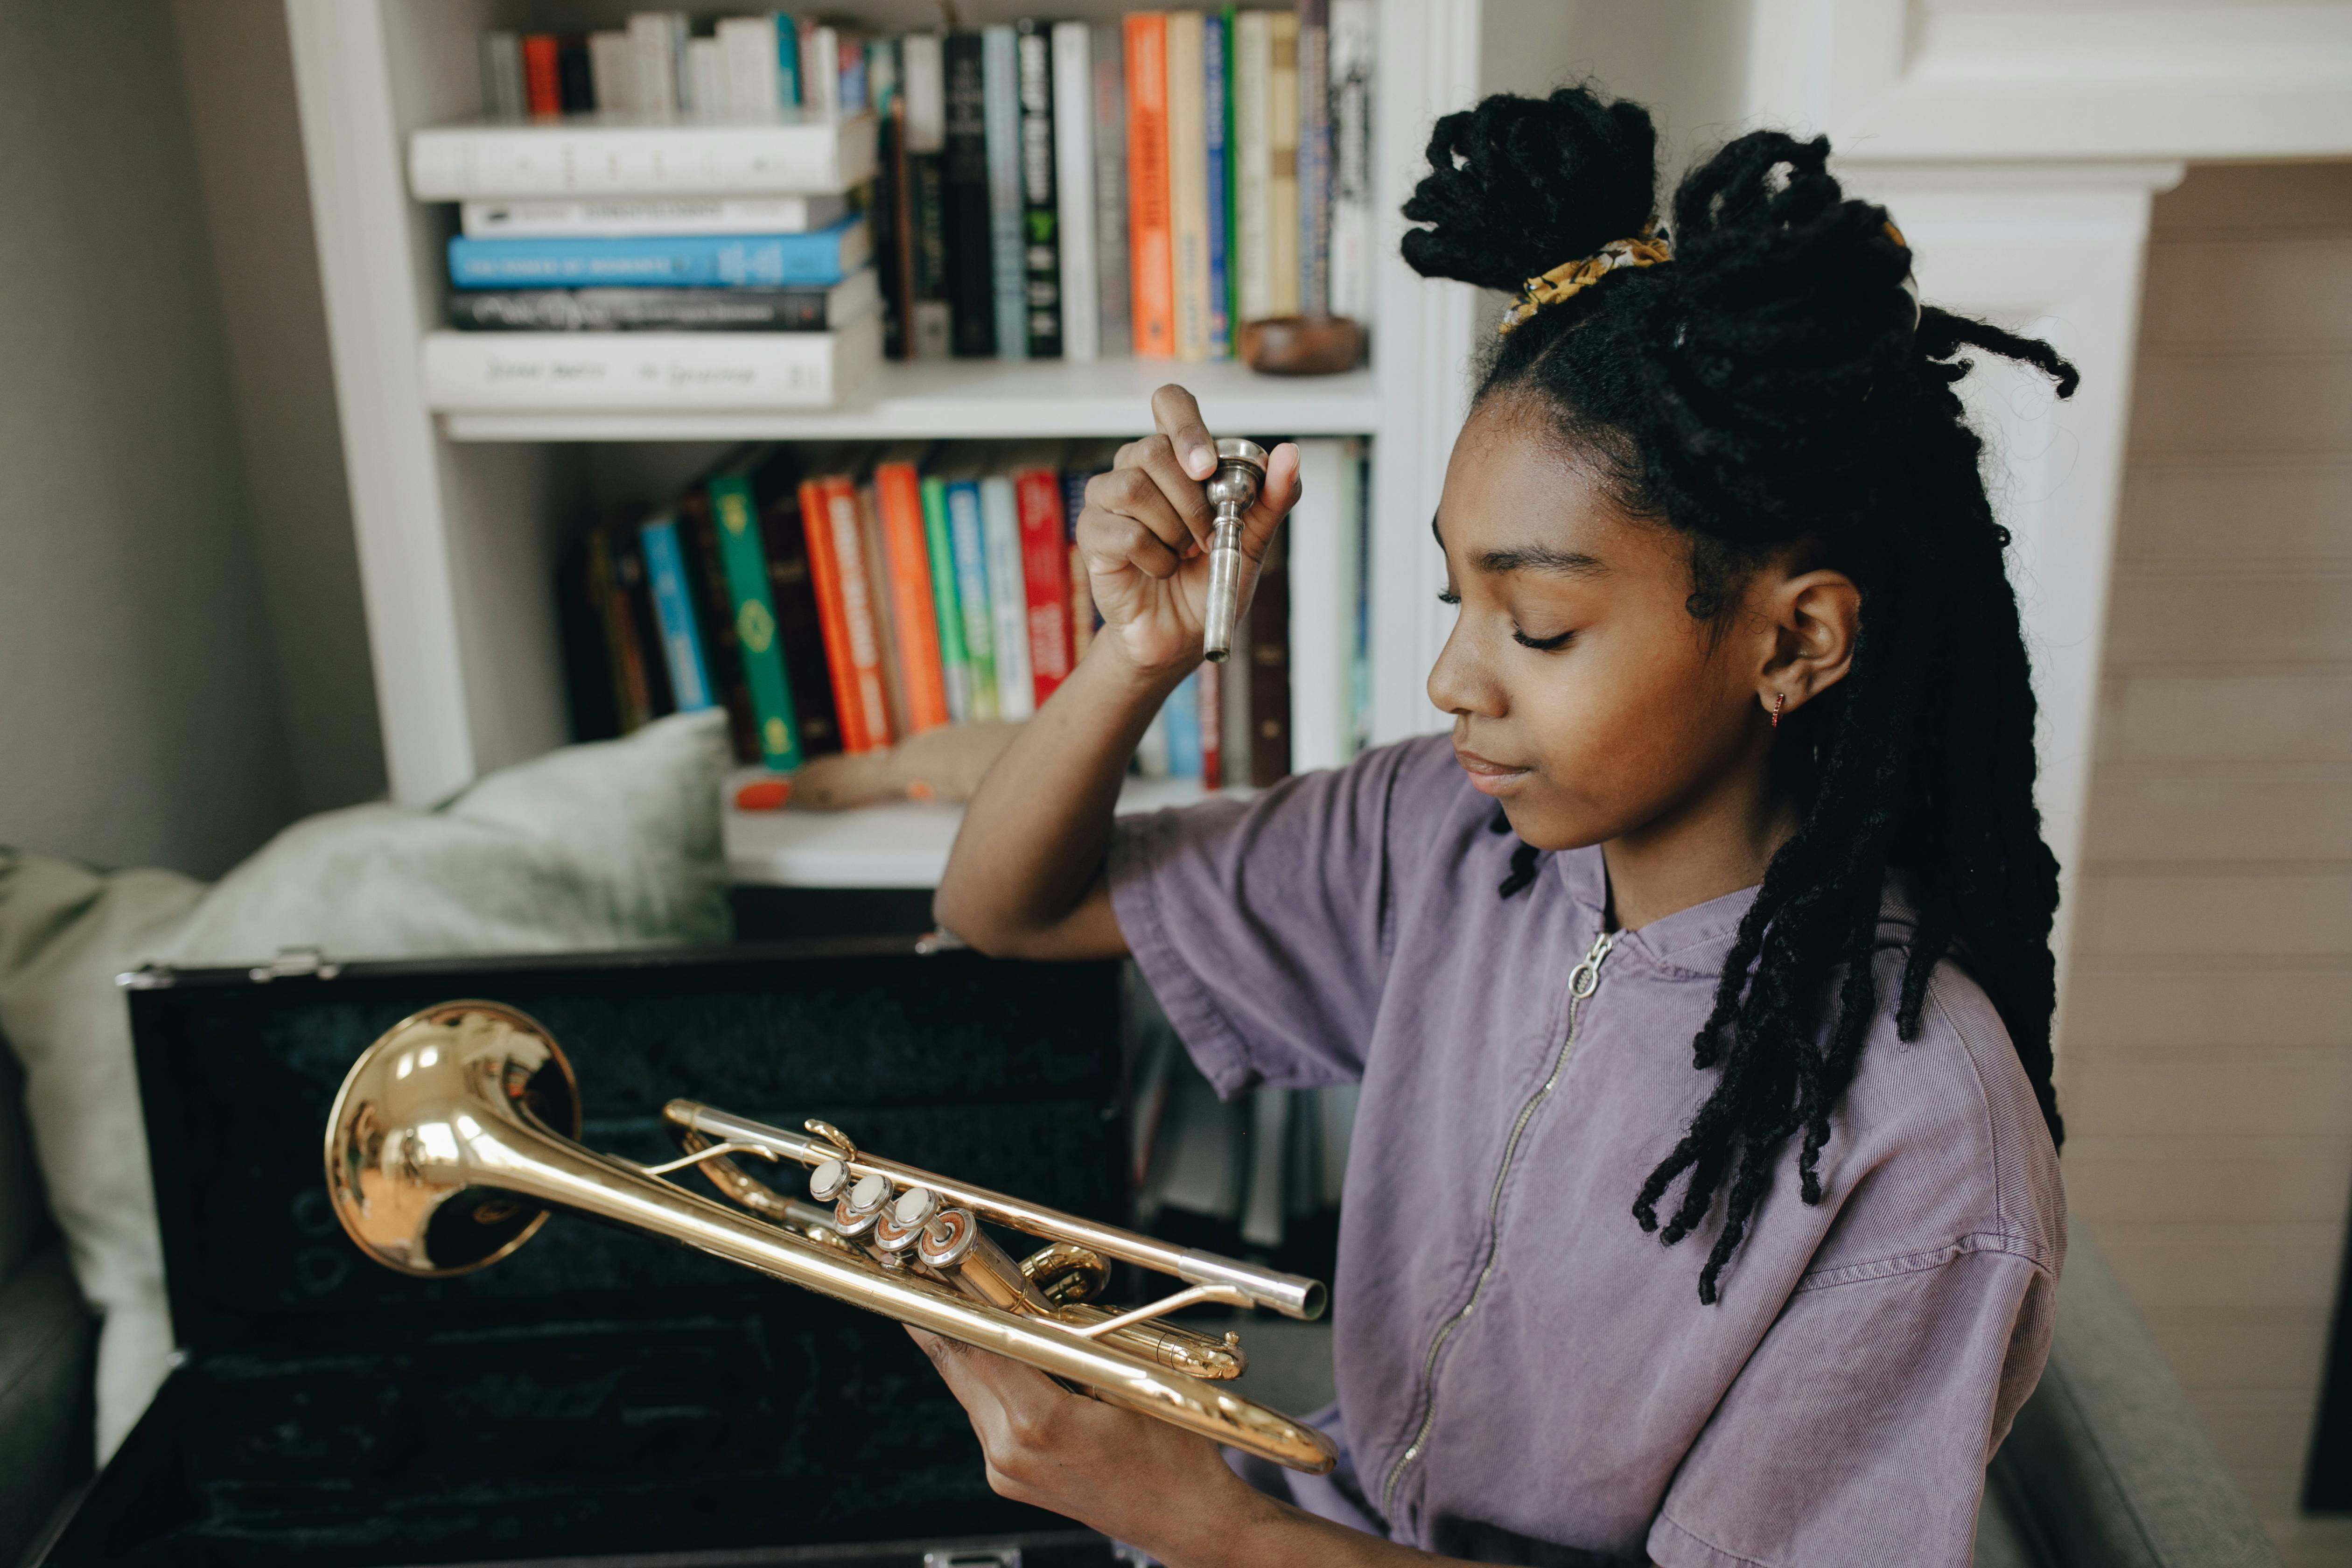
x=791, y=591
x=575, y=85
x=1211, y=722
x=638, y=370
x=593, y=158
x=1082, y=597
x=789, y=90
x=736, y=519
x=541, y=79
x=1074, y=189
x=1253, y=61
x=1354, y=29
x=611, y=72
x=631, y=705
x=636, y=593
x=1002, y=105
x=938, y=549
x=1217, y=119
x=1041, y=218
x=1115, y=332
x=970, y=535
x=1188, y=184
x=1045, y=578
x=653, y=41
x=706, y=76
x=820, y=259
x=1266, y=699
x=714, y=611
x=623, y=217
x=845, y=596
x=681, y=639
x=1313, y=157
x=1182, y=712
x=856, y=87
x=504, y=96
x=874, y=554
x=964, y=203
x=1152, y=299
x=1000, y=518
x=899, y=497
x=638, y=310
x=924, y=86
x=1282, y=164
x=587, y=663
x=747, y=47
x=886, y=210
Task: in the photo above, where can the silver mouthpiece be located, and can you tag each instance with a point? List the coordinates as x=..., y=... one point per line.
x=1233, y=491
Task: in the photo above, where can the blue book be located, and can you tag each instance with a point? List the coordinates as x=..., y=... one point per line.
x=1217, y=112
x=968, y=537
x=999, y=67
x=819, y=258
x=788, y=62
x=1182, y=714
x=673, y=608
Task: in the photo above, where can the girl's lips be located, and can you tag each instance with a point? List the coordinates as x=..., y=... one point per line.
x=1486, y=776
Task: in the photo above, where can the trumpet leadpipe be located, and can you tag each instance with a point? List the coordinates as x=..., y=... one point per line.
x=1228, y=1279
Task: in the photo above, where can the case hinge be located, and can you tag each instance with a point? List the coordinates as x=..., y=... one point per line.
x=295, y=963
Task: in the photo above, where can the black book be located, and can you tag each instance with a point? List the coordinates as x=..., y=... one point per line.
x=662, y=310
x=1041, y=249
x=575, y=84
x=964, y=204
x=587, y=661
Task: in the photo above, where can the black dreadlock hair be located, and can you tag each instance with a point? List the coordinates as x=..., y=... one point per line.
x=1771, y=384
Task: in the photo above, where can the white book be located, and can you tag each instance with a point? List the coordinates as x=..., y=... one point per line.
x=1188, y=184
x=502, y=89
x=1001, y=111
x=1253, y=165
x=1115, y=325
x=821, y=69
x=468, y=371
x=1282, y=164
x=654, y=34
x=1008, y=600
x=747, y=47
x=619, y=217
x=613, y=71
x=1354, y=28
x=642, y=153
x=1322, y=604
x=706, y=76
x=1073, y=174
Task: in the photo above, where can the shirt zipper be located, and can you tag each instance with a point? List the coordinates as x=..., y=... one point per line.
x=1582, y=982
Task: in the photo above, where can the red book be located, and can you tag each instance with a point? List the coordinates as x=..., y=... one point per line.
x=1046, y=575
x=914, y=620
x=845, y=603
x=542, y=77
x=1150, y=237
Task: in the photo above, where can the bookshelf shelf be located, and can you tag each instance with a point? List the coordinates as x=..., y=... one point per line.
x=984, y=399
x=899, y=845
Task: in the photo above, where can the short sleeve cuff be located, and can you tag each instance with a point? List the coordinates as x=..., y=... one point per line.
x=1140, y=846
x=1671, y=1546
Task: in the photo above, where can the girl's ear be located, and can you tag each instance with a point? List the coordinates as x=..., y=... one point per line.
x=1812, y=616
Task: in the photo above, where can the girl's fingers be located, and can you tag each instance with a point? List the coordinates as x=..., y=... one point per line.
x=1155, y=459
x=1177, y=417
x=1132, y=496
x=1276, y=497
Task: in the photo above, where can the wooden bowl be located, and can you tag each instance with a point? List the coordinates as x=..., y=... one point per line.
x=1302, y=345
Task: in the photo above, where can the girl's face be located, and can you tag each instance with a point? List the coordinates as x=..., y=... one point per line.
x=1586, y=697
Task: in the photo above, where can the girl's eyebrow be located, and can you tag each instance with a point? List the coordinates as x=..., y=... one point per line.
x=1530, y=558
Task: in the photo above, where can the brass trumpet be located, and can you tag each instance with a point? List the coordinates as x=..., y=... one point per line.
x=454, y=1134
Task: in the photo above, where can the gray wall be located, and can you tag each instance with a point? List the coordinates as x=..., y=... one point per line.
x=148, y=712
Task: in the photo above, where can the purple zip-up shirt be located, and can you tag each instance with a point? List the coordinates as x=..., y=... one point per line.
x=1523, y=1374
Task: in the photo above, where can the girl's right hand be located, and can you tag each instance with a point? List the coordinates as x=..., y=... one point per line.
x=1144, y=536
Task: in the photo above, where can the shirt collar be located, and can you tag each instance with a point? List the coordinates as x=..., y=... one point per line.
x=1690, y=943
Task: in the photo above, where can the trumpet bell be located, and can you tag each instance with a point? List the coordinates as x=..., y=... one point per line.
x=408, y=1110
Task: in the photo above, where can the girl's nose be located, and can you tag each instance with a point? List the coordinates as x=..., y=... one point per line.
x=1460, y=682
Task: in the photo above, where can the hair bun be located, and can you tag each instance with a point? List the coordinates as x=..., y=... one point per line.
x=1517, y=185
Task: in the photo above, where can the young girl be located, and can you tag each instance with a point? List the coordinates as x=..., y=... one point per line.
x=1721, y=917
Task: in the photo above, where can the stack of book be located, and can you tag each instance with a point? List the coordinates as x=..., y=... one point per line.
x=1043, y=190
x=842, y=598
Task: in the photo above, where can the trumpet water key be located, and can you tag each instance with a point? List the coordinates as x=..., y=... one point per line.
x=1233, y=491
x=455, y=1134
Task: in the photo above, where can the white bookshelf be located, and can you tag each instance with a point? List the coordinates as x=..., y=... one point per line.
x=459, y=518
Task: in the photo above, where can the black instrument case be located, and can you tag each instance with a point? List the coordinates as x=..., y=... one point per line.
x=602, y=1396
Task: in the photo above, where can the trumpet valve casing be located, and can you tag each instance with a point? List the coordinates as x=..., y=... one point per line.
x=1232, y=489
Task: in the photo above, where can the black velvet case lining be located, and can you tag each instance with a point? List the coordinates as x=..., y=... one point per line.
x=600, y=1393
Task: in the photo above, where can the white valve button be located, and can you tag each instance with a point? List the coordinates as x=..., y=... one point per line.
x=870, y=1193
x=915, y=1207
x=825, y=1179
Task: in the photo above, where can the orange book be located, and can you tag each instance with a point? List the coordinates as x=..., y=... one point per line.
x=542, y=82
x=914, y=620
x=1151, y=254
x=1046, y=573
x=844, y=609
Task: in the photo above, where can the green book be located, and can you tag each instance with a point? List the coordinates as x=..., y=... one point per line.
x=954, y=662
x=733, y=508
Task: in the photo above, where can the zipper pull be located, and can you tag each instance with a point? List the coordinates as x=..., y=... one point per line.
x=1585, y=978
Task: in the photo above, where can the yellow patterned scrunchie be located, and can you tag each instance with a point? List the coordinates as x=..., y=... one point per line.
x=1569, y=278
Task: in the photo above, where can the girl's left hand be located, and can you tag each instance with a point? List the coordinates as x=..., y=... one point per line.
x=1127, y=1476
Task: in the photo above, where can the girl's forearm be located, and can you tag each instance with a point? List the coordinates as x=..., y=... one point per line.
x=1025, y=878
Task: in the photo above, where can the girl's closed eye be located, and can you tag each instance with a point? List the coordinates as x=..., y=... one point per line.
x=1552, y=644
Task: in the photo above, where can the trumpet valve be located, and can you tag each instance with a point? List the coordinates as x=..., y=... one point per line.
x=902, y=1222
x=861, y=1208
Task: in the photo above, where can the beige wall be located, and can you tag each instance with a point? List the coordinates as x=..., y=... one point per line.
x=2206, y=1067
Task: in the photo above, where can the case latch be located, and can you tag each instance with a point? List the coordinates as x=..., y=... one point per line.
x=148, y=976
x=295, y=963
x=974, y=1557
